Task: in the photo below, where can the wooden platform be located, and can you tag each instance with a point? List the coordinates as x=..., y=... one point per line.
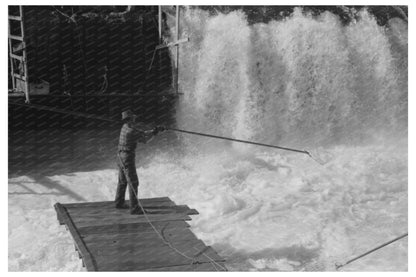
x=110, y=239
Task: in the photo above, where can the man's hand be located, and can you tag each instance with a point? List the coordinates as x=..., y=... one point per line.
x=159, y=129
x=162, y=128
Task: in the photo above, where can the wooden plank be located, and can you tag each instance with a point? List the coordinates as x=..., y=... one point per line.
x=18, y=76
x=16, y=37
x=131, y=247
x=109, y=205
x=144, y=201
x=168, y=209
x=165, y=207
x=209, y=266
x=111, y=210
x=147, y=232
x=115, y=215
x=153, y=258
x=60, y=220
x=131, y=228
x=129, y=219
x=110, y=239
x=16, y=57
x=88, y=259
x=175, y=209
x=15, y=17
x=121, y=239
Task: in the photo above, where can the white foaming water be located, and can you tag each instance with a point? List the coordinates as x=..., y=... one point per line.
x=265, y=210
x=304, y=82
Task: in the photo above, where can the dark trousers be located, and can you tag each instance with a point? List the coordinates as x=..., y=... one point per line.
x=127, y=176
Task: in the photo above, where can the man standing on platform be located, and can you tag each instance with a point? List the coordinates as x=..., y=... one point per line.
x=131, y=133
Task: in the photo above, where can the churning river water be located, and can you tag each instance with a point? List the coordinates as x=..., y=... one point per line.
x=306, y=82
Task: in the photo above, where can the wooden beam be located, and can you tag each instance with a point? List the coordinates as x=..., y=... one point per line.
x=137, y=247
x=22, y=27
x=87, y=258
x=148, y=237
x=177, y=51
x=142, y=227
x=11, y=60
x=160, y=23
x=16, y=57
x=126, y=219
x=110, y=210
x=16, y=37
x=15, y=17
x=110, y=239
x=144, y=201
x=18, y=76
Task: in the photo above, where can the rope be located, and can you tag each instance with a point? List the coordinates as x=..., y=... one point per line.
x=338, y=266
x=213, y=262
x=151, y=224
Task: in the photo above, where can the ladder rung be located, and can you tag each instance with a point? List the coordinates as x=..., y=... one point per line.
x=20, y=58
x=18, y=76
x=15, y=17
x=16, y=37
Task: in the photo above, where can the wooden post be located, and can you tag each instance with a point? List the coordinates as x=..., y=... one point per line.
x=177, y=51
x=160, y=24
x=24, y=56
x=11, y=59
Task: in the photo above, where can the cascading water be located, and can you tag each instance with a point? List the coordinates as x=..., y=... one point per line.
x=307, y=82
x=300, y=80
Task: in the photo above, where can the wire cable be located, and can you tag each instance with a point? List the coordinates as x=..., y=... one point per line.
x=338, y=266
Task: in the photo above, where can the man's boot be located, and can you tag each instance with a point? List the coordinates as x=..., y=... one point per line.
x=137, y=210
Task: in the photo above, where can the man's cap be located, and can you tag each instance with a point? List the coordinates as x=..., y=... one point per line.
x=127, y=115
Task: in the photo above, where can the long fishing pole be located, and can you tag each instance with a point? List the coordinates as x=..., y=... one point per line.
x=240, y=140
x=86, y=115
x=338, y=266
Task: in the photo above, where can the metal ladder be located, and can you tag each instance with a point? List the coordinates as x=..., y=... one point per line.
x=18, y=78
